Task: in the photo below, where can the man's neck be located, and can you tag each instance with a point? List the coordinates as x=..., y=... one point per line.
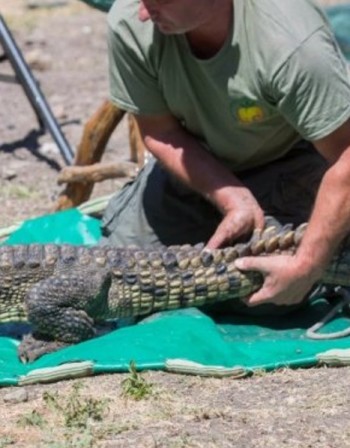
x=209, y=38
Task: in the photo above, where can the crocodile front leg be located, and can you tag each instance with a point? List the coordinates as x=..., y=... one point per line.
x=33, y=346
x=59, y=309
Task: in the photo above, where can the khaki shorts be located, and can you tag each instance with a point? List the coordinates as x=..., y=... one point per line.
x=156, y=210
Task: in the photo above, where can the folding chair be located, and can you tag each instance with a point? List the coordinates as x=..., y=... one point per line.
x=25, y=78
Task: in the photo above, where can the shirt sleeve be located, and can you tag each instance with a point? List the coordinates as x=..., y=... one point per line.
x=312, y=87
x=133, y=80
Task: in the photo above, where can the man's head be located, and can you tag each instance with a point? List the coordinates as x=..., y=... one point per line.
x=178, y=16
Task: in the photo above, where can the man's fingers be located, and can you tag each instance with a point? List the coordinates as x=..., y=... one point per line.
x=222, y=236
x=251, y=264
x=257, y=298
x=218, y=238
x=260, y=220
x=151, y=143
x=216, y=241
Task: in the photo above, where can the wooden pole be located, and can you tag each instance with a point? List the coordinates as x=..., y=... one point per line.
x=96, y=134
x=96, y=172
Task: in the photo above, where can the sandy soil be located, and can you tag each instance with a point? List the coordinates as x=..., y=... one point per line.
x=65, y=41
x=66, y=48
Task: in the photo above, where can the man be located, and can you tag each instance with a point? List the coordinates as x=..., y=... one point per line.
x=245, y=105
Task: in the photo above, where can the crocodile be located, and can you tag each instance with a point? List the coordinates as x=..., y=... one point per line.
x=65, y=291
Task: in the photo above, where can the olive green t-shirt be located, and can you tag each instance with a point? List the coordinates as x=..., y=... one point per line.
x=280, y=76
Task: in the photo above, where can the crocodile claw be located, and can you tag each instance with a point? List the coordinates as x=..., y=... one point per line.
x=32, y=348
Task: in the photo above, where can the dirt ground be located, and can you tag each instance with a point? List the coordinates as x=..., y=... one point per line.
x=64, y=40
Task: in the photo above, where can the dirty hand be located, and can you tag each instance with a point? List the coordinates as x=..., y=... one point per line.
x=286, y=280
x=242, y=214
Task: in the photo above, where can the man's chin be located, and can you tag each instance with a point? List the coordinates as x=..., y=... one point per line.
x=169, y=30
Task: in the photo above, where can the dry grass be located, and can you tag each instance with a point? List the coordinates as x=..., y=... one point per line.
x=286, y=408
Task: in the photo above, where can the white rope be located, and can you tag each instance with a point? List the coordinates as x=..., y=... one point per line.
x=312, y=332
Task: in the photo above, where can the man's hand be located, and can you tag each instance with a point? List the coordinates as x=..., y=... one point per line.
x=182, y=155
x=289, y=278
x=242, y=214
x=286, y=281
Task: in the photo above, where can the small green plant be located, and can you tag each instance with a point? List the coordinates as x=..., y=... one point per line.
x=76, y=409
x=70, y=439
x=135, y=386
x=16, y=191
x=73, y=439
x=6, y=441
x=33, y=418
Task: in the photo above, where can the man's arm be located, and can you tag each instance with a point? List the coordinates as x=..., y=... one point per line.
x=289, y=278
x=330, y=220
x=182, y=155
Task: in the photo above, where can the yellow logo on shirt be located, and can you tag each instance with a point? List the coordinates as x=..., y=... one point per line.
x=249, y=112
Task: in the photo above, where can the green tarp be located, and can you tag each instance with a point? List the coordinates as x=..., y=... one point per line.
x=181, y=341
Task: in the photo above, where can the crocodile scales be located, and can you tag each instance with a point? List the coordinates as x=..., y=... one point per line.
x=64, y=290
